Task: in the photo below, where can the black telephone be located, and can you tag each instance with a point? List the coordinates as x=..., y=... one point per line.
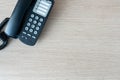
x=28, y=20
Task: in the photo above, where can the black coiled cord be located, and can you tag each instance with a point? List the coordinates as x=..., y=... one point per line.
x=3, y=36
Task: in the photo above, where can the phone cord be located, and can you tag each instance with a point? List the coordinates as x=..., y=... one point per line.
x=3, y=37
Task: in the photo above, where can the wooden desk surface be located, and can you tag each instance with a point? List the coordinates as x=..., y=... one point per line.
x=81, y=41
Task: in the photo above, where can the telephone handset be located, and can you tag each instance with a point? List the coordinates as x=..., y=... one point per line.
x=28, y=20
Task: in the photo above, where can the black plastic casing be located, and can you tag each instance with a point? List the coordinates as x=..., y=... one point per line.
x=14, y=24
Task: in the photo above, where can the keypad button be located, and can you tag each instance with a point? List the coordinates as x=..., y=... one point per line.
x=37, y=28
x=30, y=20
x=36, y=17
x=29, y=35
x=35, y=22
x=35, y=32
x=24, y=37
x=28, y=24
x=33, y=26
x=39, y=24
x=41, y=19
x=32, y=15
x=33, y=37
x=31, y=30
x=26, y=28
x=24, y=33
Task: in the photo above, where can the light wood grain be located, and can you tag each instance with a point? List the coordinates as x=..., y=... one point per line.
x=81, y=41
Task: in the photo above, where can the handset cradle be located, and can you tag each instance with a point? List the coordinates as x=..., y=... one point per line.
x=35, y=21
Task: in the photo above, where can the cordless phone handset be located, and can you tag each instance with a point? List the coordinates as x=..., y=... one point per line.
x=35, y=20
